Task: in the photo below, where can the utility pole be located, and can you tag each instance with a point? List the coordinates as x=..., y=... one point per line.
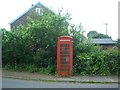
x=106, y=27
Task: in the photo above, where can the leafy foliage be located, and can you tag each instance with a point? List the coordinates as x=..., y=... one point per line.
x=33, y=48
x=97, y=62
x=35, y=44
x=95, y=34
x=118, y=43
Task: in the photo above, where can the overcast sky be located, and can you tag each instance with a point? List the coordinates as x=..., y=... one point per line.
x=91, y=13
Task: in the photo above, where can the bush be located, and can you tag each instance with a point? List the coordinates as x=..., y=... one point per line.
x=35, y=45
x=112, y=56
x=97, y=63
x=33, y=48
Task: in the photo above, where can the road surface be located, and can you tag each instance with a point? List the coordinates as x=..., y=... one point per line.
x=17, y=83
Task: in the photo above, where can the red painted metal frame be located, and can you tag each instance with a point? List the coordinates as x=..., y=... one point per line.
x=64, y=40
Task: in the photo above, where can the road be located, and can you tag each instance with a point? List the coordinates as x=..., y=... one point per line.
x=17, y=83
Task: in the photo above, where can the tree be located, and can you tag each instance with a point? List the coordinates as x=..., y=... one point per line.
x=35, y=44
x=92, y=34
x=95, y=34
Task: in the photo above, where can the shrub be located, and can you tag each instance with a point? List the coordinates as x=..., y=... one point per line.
x=33, y=48
x=99, y=62
x=35, y=45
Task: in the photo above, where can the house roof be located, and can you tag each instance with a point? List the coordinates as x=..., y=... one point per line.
x=104, y=41
x=29, y=10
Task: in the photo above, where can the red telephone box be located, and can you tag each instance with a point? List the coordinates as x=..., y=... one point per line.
x=64, y=55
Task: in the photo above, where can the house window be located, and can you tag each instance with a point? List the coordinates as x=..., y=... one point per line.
x=39, y=11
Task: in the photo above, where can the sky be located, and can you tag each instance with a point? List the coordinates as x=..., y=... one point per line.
x=91, y=13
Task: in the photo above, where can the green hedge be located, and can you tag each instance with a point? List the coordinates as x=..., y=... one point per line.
x=97, y=63
x=34, y=48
